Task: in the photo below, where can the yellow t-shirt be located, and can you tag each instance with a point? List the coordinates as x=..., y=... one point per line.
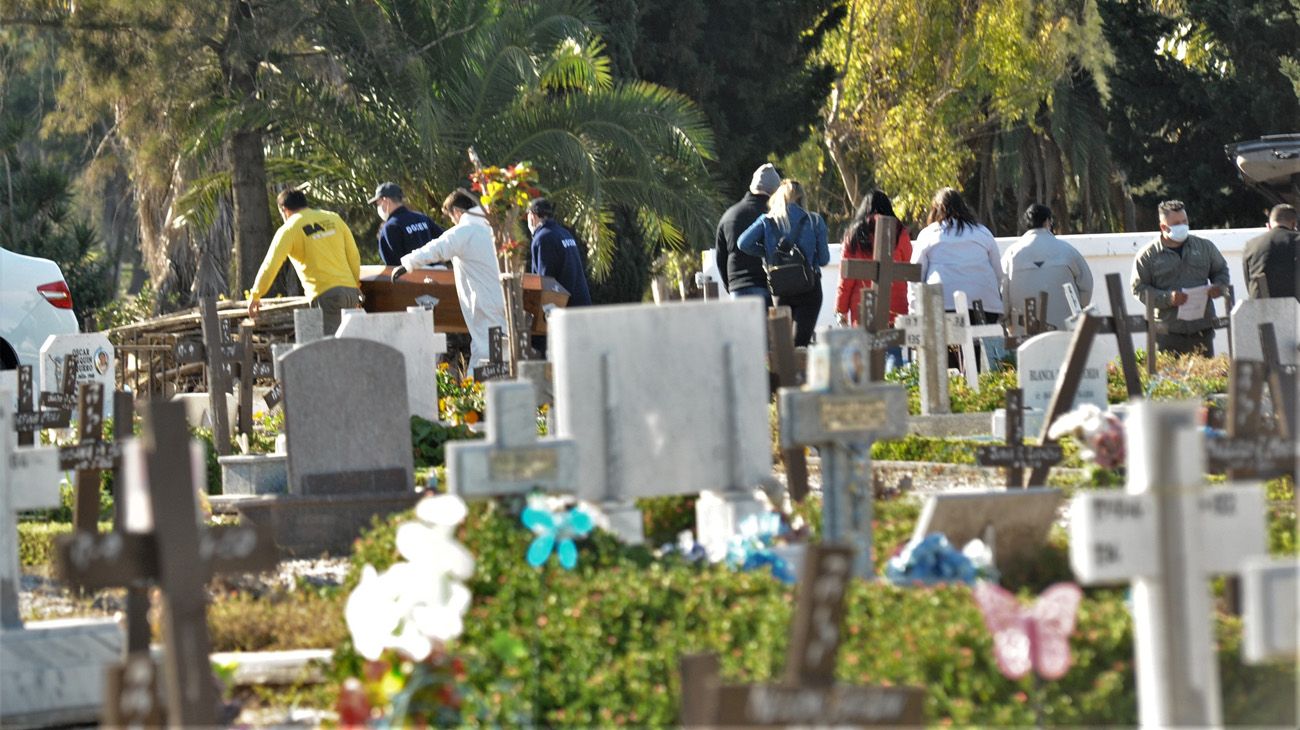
x=322, y=251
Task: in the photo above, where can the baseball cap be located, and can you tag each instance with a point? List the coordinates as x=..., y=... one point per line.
x=386, y=190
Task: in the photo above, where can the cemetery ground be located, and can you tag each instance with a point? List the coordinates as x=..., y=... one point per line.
x=600, y=644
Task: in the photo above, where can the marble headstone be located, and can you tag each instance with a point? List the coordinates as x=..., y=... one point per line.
x=1041, y=359
x=96, y=363
x=663, y=400
x=411, y=332
x=1249, y=314
x=347, y=421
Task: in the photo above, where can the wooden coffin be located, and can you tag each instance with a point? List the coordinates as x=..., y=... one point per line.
x=383, y=295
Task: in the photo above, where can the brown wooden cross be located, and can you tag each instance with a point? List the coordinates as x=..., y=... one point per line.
x=1122, y=324
x=808, y=695
x=883, y=272
x=878, y=341
x=1251, y=451
x=88, y=457
x=786, y=373
x=168, y=547
x=1016, y=455
x=1162, y=328
x=519, y=323
x=66, y=398
x=28, y=419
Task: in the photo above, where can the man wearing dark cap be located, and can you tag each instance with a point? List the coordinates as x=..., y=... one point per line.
x=742, y=274
x=555, y=252
x=403, y=230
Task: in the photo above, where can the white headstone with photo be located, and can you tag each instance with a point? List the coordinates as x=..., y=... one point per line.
x=1249, y=314
x=411, y=332
x=96, y=363
x=663, y=400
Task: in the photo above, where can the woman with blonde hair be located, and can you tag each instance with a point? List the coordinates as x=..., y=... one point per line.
x=787, y=221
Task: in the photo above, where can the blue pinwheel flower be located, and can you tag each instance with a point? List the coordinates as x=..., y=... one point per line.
x=751, y=547
x=555, y=533
x=930, y=560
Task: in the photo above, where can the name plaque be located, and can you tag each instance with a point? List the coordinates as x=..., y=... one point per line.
x=852, y=413
x=524, y=465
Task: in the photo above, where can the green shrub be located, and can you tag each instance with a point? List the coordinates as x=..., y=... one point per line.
x=36, y=541
x=277, y=621
x=429, y=439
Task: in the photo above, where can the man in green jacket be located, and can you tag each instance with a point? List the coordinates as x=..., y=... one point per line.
x=1169, y=264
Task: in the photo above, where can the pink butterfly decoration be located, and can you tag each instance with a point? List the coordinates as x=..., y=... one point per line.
x=1030, y=637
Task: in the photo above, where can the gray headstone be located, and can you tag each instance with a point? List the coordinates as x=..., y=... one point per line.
x=411, y=332
x=347, y=422
x=1249, y=314
x=512, y=460
x=1270, y=589
x=308, y=324
x=1015, y=521
x=96, y=363
x=29, y=479
x=1040, y=360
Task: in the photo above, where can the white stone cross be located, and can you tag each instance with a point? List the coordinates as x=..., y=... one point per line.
x=512, y=460
x=841, y=412
x=1168, y=535
x=957, y=330
x=29, y=479
x=929, y=339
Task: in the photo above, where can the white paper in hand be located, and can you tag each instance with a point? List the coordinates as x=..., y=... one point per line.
x=1194, y=307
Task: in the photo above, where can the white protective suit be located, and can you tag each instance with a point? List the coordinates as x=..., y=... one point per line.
x=468, y=246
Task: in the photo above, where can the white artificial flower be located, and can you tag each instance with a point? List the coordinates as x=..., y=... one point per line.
x=373, y=612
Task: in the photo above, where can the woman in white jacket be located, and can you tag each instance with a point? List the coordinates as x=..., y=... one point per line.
x=468, y=246
x=957, y=251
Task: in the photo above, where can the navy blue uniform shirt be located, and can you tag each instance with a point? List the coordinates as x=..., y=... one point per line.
x=403, y=232
x=555, y=254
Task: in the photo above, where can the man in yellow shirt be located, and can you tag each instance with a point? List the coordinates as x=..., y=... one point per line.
x=322, y=251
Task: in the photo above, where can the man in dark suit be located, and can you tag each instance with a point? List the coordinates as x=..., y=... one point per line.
x=1270, y=258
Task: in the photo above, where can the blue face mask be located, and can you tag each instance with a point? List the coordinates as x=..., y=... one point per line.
x=1178, y=232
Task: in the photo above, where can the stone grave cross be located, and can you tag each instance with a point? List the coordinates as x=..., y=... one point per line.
x=1016, y=455
x=497, y=366
x=29, y=420
x=841, y=412
x=1250, y=451
x=1032, y=321
x=964, y=333
x=164, y=543
x=1167, y=536
x=781, y=361
x=512, y=460
x=29, y=480
x=808, y=694
x=927, y=334
x=88, y=457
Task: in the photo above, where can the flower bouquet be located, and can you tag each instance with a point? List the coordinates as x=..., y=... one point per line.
x=505, y=193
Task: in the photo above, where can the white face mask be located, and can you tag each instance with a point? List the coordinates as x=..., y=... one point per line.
x=1178, y=232
x=383, y=216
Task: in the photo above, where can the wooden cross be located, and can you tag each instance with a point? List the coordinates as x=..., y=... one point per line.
x=91, y=455
x=163, y=543
x=497, y=365
x=1016, y=455
x=512, y=460
x=1033, y=323
x=224, y=358
x=28, y=420
x=1167, y=536
x=66, y=398
x=519, y=323
x=841, y=412
x=808, y=694
x=781, y=360
x=1121, y=324
x=883, y=272
x=1250, y=451
x=29, y=479
x=1067, y=386
x=878, y=340
x=1155, y=328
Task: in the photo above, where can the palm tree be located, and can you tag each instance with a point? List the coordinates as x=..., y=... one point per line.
x=410, y=84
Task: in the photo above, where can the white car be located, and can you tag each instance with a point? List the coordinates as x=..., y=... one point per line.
x=34, y=303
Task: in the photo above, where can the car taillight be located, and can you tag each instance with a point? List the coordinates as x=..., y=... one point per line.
x=56, y=293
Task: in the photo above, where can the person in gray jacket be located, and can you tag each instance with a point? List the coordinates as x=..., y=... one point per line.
x=1176, y=260
x=1041, y=262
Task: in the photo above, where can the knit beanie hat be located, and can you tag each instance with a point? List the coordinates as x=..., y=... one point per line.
x=766, y=180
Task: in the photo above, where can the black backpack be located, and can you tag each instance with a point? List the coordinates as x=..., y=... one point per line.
x=789, y=273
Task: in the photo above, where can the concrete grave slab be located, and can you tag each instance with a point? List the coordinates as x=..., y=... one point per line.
x=1014, y=523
